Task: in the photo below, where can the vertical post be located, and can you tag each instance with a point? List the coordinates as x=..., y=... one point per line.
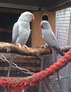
x=47, y=86
x=40, y=83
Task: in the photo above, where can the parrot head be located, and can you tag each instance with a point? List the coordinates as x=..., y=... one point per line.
x=26, y=16
x=44, y=24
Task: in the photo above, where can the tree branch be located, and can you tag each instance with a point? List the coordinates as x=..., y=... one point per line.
x=37, y=51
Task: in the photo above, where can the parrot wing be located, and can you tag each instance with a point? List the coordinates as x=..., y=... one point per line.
x=50, y=39
x=53, y=37
x=15, y=32
x=24, y=37
x=24, y=33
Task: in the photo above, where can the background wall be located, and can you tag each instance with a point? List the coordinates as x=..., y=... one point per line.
x=36, y=30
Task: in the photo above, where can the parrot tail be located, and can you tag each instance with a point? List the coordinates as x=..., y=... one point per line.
x=61, y=53
x=54, y=59
x=58, y=50
x=10, y=65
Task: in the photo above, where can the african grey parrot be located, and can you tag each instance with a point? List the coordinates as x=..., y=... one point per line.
x=21, y=32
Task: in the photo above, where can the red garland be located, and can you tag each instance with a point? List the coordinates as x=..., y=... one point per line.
x=18, y=85
x=13, y=85
x=53, y=68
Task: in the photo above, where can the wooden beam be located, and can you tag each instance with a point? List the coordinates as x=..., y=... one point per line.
x=36, y=52
x=21, y=59
x=56, y=4
x=25, y=6
x=13, y=48
x=18, y=6
x=5, y=30
x=29, y=68
x=9, y=10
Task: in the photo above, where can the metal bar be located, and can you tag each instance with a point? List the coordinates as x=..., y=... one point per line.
x=56, y=4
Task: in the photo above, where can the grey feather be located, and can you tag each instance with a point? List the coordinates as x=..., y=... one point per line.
x=15, y=32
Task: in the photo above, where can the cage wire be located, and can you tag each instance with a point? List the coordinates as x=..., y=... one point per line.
x=63, y=32
x=19, y=85
x=26, y=71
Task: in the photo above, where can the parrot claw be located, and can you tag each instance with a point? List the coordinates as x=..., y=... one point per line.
x=25, y=46
x=43, y=46
x=18, y=45
x=46, y=45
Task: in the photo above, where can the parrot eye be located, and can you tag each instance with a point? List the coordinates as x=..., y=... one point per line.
x=44, y=23
x=30, y=15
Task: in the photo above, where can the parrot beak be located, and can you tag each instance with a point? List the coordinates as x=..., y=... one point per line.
x=33, y=18
x=41, y=25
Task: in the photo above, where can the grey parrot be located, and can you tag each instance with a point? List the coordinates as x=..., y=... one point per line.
x=51, y=41
x=21, y=32
x=49, y=37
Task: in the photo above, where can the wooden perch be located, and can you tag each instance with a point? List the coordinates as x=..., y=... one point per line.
x=37, y=51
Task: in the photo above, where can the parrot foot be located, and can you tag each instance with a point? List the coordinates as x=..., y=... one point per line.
x=46, y=45
x=25, y=46
x=43, y=46
x=18, y=45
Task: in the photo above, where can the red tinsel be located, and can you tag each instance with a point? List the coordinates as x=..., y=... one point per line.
x=18, y=85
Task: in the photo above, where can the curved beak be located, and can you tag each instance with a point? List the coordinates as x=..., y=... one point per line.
x=33, y=18
x=41, y=25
